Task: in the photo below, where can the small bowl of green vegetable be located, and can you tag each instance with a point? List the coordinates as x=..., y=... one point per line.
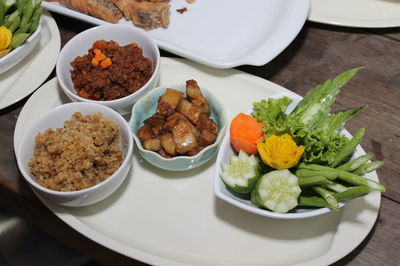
x=332, y=168
x=20, y=31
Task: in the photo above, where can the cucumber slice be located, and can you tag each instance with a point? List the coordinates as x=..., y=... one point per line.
x=277, y=191
x=241, y=173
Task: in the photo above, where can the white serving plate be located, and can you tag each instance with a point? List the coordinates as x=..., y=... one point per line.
x=356, y=13
x=224, y=33
x=173, y=218
x=29, y=74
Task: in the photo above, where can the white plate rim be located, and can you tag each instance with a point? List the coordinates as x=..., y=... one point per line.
x=337, y=20
x=281, y=38
x=340, y=247
x=37, y=68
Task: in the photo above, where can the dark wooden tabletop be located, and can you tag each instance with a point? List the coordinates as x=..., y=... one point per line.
x=318, y=53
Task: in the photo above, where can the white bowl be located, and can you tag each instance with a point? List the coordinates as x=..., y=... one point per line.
x=55, y=119
x=15, y=56
x=123, y=34
x=146, y=107
x=221, y=191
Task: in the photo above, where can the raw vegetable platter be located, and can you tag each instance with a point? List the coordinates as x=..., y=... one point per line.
x=175, y=219
x=292, y=158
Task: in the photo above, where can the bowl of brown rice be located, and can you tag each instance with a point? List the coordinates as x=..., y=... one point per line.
x=76, y=154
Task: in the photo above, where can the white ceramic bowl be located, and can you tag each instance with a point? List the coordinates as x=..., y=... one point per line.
x=146, y=107
x=222, y=192
x=15, y=56
x=55, y=119
x=123, y=34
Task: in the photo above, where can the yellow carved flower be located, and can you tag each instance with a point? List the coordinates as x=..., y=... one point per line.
x=280, y=152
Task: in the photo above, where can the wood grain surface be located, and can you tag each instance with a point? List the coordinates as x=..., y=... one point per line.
x=318, y=53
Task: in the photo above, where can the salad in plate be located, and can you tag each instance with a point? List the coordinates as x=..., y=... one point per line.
x=302, y=158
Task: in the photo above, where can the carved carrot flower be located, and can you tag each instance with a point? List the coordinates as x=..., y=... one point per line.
x=280, y=152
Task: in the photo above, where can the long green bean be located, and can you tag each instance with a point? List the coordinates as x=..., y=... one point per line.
x=352, y=192
x=368, y=167
x=312, y=201
x=336, y=187
x=330, y=175
x=361, y=181
x=313, y=181
x=328, y=196
x=355, y=163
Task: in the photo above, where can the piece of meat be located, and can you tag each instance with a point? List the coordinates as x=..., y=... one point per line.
x=173, y=120
x=145, y=132
x=168, y=144
x=168, y=102
x=150, y=15
x=196, y=97
x=152, y=144
x=104, y=9
x=208, y=130
x=189, y=110
x=185, y=137
x=155, y=120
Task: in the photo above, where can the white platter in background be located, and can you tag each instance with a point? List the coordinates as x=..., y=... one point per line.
x=356, y=13
x=224, y=33
x=33, y=70
x=173, y=218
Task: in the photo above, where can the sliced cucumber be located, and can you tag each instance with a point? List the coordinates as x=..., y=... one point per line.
x=241, y=173
x=277, y=191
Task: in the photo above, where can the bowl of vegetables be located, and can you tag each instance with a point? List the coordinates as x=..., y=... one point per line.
x=290, y=158
x=19, y=31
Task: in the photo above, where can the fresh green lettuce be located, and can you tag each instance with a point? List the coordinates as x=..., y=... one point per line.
x=311, y=123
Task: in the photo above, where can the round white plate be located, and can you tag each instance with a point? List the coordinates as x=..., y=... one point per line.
x=223, y=33
x=356, y=13
x=29, y=74
x=173, y=218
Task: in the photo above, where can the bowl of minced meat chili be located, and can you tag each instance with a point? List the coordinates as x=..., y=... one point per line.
x=112, y=65
x=110, y=71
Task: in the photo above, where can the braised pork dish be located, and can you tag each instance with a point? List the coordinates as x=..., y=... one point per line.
x=181, y=124
x=110, y=71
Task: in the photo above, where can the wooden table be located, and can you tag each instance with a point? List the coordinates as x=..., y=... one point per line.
x=318, y=53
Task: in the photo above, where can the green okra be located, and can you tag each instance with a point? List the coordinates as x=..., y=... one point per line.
x=18, y=39
x=352, y=192
x=368, y=167
x=312, y=201
x=348, y=148
x=336, y=187
x=355, y=163
x=328, y=196
x=360, y=181
x=313, y=181
x=330, y=175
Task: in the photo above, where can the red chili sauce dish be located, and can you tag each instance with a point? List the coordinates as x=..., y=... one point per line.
x=110, y=72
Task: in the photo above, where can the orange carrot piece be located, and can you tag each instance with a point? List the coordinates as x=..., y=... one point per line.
x=106, y=63
x=95, y=62
x=100, y=57
x=247, y=127
x=246, y=131
x=243, y=144
x=97, y=51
